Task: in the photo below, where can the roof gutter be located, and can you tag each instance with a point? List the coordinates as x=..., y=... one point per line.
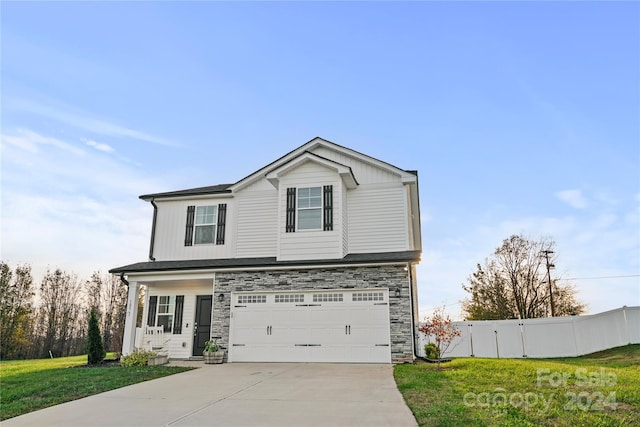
x=153, y=229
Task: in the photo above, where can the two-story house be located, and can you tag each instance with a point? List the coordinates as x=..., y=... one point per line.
x=310, y=259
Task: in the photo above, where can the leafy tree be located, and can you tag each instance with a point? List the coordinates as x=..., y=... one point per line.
x=95, y=346
x=440, y=327
x=513, y=283
x=16, y=310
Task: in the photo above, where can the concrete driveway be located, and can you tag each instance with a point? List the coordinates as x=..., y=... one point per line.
x=243, y=394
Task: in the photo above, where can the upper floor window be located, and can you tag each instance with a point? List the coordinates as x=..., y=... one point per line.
x=310, y=208
x=205, y=224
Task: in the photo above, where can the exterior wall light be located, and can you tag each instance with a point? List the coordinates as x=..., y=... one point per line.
x=221, y=297
x=398, y=293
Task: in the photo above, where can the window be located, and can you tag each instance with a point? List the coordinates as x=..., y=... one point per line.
x=161, y=312
x=289, y=298
x=164, y=317
x=310, y=208
x=252, y=299
x=327, y=297
x=205, y=224
x=368, y=296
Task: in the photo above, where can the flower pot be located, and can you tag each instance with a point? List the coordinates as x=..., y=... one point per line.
x=213, y=356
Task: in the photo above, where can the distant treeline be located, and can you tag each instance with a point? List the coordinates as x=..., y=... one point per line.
x=51, y=319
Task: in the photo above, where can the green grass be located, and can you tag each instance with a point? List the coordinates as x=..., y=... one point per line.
x=601, y=389
x=29, y=385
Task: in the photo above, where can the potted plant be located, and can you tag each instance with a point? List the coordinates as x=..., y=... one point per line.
x=212, y=353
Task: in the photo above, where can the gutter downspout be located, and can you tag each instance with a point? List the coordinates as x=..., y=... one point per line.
x=153, y=229
x=413, y=325
x=123, y=280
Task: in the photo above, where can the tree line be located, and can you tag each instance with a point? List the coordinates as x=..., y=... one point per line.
x=50, y=319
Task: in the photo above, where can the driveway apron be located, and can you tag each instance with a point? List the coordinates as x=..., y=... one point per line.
x=243, y=394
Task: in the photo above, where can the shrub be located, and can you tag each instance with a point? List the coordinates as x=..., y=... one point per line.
x=139, y=357
x=431, y=351
x=95, y=347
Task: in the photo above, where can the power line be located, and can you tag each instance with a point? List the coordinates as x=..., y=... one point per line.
x=601, y=277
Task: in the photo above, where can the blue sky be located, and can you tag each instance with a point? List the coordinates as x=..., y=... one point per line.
x=521, y=117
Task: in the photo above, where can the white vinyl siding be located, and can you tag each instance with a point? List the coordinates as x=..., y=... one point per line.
x=310, y=244
x=373, y=217
x=365, y=173
x=170, y=231
x=345, y=221
x=189, y=289
x=257, y=221
x=378, y=219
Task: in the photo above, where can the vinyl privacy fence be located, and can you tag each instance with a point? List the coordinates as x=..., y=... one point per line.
x=546, y=337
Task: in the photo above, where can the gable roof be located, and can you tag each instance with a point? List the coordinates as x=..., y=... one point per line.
x=344, y=171
x=407, y=176
x=303, y=153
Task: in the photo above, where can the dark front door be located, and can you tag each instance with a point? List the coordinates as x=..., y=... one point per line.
x=202, y=326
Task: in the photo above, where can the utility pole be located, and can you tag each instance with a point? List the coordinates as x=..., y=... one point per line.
x=546, y=254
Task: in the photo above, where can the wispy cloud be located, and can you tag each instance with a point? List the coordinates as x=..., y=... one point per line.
x=30, y=141
x=573, y=198
x=99, y=145
x=84, y=121
x=70, y=207
x=600, y=241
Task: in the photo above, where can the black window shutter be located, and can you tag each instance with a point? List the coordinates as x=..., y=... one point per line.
x=188, y=234
x=291, y=210
x=222, y=217
x=328, y=208
x=177, y=318
x=151, y=317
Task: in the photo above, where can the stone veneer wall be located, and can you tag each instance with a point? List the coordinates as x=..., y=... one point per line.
x=391, y=277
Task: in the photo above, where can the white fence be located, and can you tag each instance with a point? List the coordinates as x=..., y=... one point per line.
x=546, y=337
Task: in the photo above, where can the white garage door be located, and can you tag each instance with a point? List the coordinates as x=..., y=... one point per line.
x=327, y=326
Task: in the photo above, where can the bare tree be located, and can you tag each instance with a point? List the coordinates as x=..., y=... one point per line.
x=108, y=296
x=513, y=283
x=61, y=317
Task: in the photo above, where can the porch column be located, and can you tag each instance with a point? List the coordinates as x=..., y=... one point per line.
x=129, y=338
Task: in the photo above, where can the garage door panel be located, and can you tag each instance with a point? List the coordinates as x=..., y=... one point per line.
x=287, y=334
x=334, y=326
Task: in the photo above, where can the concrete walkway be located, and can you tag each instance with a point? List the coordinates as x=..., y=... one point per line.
x=242, y=394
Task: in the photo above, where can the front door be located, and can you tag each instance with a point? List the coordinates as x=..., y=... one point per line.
x=202, y=325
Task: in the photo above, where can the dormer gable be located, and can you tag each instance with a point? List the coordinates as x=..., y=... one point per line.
x=345, y=172
x=316, y=147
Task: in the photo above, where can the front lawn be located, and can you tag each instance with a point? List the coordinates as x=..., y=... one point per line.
x=29, y=385
x=602, y=389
